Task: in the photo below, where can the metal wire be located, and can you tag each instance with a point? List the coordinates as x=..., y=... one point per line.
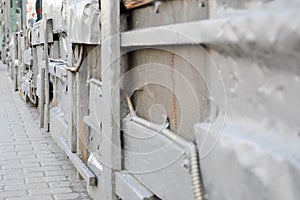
x=78, y=63
x=181, y=94
x=195, y=169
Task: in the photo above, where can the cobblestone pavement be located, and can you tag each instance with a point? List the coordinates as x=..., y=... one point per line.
x=31, y=165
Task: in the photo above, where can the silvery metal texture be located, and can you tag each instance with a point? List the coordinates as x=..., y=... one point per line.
x=128, y=188
x=58, y=125
x=94, y=163
x=255, y=47
x=56, y=10
x=95, y=120
x=63, y=48
x=85, y=31
x=58, y=80
x=157, y=162
x=246, y=164
x=81, y=167
x=37, y=34
x=169, y=12
x=110, y=67
x=58, y=70
x=38, y=65
x=175, y=86
x=27, y=56
x=20, y=59
x=240, y=57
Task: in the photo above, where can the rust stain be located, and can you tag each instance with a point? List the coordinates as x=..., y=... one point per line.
x=39, y=106
x=173, y=119
x=130, y=4
x=83, y=141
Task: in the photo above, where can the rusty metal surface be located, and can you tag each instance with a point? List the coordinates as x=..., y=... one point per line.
x=181, y=92
x=169, y=12
x=130, y=4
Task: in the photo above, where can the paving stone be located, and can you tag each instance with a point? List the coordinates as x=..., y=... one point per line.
x=66, y=196
x=11, y=182
x=60, y=172
x=10, y=171
x=59, y=162
x=6, y=194
x=18, y=166
x=26, y=186
x=61, y=190
x=60, y=184
x=32, y=166
x=46, y=179
x=41, y=169
x=33, y=197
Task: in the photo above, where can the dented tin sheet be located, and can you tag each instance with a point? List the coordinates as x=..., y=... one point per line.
x=56, y=10
x=85, y=31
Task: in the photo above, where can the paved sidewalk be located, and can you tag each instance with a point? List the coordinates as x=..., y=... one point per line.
x=31, y=165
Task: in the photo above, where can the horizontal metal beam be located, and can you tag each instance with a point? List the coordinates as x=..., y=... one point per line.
x=84, y=171
x=58, y=69
x=164, y=35
x=128, y=188
x=95, y=81
x=240, y=29
x=88, y=121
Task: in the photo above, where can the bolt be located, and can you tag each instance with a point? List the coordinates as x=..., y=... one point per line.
x=186, y=164
x=157, y=5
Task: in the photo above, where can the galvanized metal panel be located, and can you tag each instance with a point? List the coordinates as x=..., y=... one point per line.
x=56, y=10
x=58, y=126
x=85, y=31
x=248, y=165
x=128, y=188
x=27, y=57
x=84, y=171
x=254, y=47
x=94, y=163
x=71, y=106
x=82, y=110
x=169, y=81
x=110, y=54
x=157, y=162
x=250, y=28
x=169, y=12
x=95, y=118
x=96, y=104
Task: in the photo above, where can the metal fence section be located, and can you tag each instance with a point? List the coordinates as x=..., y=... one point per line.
x=221, y=75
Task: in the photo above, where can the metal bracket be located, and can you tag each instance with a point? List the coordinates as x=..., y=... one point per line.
x=84, y=171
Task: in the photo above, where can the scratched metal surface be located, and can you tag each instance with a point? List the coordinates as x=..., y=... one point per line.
x=254, y=47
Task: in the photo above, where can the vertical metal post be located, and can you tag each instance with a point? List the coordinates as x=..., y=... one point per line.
x=13, y=57
x=54, y=101
x=72, y=99
x=42, y=98
x=24, y=15
x=82, y=110
x=110, y=53
x=47, y=99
